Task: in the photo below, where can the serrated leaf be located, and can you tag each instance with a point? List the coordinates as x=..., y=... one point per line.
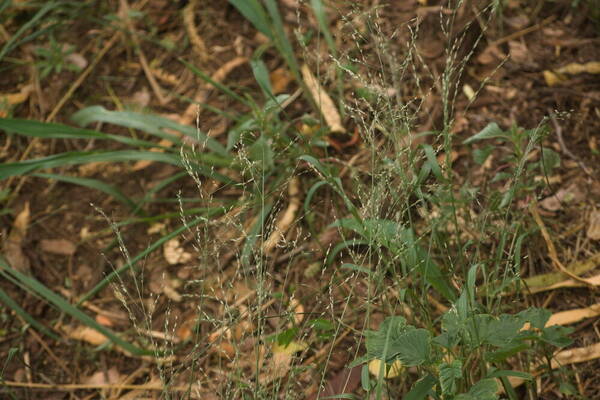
x=537, y=317
x=421, y=389
x=414, y=347
x=485, y=389
x=449, y=374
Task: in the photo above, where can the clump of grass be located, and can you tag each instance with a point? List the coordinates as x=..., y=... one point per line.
x=413, y=232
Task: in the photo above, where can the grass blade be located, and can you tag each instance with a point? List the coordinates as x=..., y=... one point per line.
x=6, y=299
x=71, y=158
x=47, y=130
x=93, y=184
x=59, y=160
x=63, y=305
x=152, y=124
x=281, y=40
x=216, y=84
x=319, y=10
x=254, y=12
x=12, y=42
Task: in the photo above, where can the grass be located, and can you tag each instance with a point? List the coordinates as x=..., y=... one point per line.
x=411, y=229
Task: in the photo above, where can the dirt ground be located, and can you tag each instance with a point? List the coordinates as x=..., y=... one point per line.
x=69, y=247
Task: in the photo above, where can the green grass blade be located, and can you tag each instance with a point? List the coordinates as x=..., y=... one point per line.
x=216, y=84
x=6, y=299
x=13, y=41
x=71, y=158
x=255, y=234
x=93, y=184
x=261, y=75
x=46, y=130
x=158, y=187
x=152, y=124
x=319, y=10
x=254, y=12
x=63, y=159
x=281, y=40
x=63, y=305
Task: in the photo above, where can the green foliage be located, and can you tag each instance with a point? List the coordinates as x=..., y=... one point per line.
x=521, y=143
x=54, y=58
x=465, y=335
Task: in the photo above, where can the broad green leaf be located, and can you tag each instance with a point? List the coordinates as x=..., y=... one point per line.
x=449, y=374
x=480, y=155
x=492, y=130
x=433, y=163
x=261, y=151
x=485, y=389
x=503, y=330
x=549, y=160
x=380, y=344
x=413, y=347
x=537, y=317
x=557, y=335
x=421, y=389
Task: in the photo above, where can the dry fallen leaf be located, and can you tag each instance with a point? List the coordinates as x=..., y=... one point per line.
x=281, y=361
x=469, y=92
x=518, y=51
x=11, y=99
x=572, y=316
x=13, y=250
x=391, y=371
x=287, y=217
x=280, y=79
x=111, y=376
x=344, y=382
x=593, y=231
x=174, y=253
x=592, y=67
x=570, y=194
x=552, y=78
x=298, y=310
x=577, y=355
x=104, y=320
x=328, y=109
x=78, y=60
x=62, y=247
x=87, y=334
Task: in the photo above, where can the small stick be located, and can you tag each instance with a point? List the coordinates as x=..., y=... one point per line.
x=523, y=32
x=563, y=146
x=143, y=61
x=552, y=250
